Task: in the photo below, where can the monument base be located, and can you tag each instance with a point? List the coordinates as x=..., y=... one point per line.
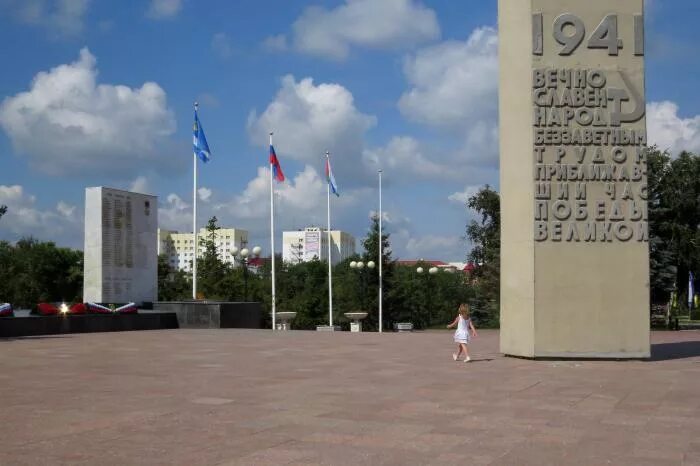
x=583, y=356
x=14, y=327
x=214, y=314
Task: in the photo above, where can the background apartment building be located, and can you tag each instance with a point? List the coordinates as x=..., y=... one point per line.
x=179, y=247
x=312, y=243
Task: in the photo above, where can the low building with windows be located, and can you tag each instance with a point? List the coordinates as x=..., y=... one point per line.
x=312, y=243
x=179, y=247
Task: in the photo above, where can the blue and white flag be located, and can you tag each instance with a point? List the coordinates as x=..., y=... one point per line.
x=691, y=290
x=199, y=141
x=331, y=179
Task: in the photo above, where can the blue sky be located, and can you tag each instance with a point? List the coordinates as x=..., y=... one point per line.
x=101, y=93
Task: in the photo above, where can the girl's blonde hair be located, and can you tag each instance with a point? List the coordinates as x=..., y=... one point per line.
x=464, y=310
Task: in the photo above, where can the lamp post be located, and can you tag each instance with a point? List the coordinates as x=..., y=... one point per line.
x=244, y=256
x=420, y=271
x=360, y=266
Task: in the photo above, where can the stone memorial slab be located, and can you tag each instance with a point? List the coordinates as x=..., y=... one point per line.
x=574, y=234
x=121, y=240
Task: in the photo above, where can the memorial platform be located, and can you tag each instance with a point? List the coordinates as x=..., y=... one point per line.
x=24, y=325
x=214, y=314
x=253, y=397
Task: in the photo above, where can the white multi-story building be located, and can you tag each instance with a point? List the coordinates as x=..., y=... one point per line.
x=312, y=243
x=179, y=247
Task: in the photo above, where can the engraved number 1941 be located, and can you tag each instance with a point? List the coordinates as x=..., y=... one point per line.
x=570, y=31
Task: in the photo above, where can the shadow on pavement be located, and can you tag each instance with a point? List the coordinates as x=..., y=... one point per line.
x=676, y=350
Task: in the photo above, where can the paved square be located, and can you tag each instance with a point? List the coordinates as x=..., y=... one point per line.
x=250, y=397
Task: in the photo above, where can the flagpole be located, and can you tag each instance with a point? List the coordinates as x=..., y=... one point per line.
x=330, y=268
x=194, y=220
x=272, y=237
x=381, y=250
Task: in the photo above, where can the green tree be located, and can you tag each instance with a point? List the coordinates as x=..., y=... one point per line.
x=485, y=236
x=3, y=210
x=173, y=284
x=211, y=270
x=674, y=221
x=32, y=271
x=662, y=258
x=370, y=284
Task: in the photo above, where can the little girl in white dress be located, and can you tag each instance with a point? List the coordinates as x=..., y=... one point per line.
x=464, y=325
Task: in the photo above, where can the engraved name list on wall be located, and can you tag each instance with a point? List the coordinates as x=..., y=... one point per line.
x=589, y=148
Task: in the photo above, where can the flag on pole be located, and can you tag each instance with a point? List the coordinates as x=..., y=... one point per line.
x=691, y=290
x=330, y=178
x=199, y=141
x=276, y=168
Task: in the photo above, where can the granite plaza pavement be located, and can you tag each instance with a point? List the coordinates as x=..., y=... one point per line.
x=250, y=397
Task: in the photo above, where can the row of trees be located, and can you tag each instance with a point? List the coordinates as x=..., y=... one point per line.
x=32, y=271
x=424, y=299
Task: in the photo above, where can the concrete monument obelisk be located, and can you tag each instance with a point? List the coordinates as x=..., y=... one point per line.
x=574, y=238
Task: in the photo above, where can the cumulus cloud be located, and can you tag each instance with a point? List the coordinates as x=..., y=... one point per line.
x=67, y=123
x=61, y=17
x=454, y=83
x=671, y=132
x=403, y=155
x=24, y=218
x=175, y=214
x=204, y=194
x=363, y=23
x=461, y=197
x=140, y=185
x=309, y=119
x=454, y=89
x=164, y=9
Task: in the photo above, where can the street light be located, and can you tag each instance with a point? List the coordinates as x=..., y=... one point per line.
x=420, y=271
x=359, y=265
x=244, y=256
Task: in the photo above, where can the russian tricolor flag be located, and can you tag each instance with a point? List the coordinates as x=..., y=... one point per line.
x=275, y=165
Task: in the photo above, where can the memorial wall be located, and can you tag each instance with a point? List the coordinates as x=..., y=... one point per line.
x=575, y=279
x=121, y=260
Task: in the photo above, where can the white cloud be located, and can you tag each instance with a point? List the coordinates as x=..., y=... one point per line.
x=305, y=193
x=62, y=224
x=67, y=123
x=309, y=119
x=140, y=185
x=461, y=197
x=204, y=194
x=276, y=43
x=221, y=45
x=163, y=9
x=403, y=155
x=60, y=17
x=671, y=132
x=454, y=83
x=175, y=214
x=364, y=23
